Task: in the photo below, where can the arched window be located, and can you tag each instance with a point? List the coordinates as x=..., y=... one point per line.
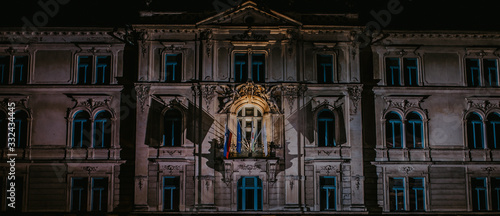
x=493, y=131
x=393, y=129
x=414, y=131
x=21, y=130
x=172, y=128
x=3, y=130
x=326, y=129
x=102, y=130
x=475, y=131
x=250, y=121
x=249, y=193
x=81, y=130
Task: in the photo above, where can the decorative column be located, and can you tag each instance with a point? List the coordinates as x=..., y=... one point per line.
x=141, y=149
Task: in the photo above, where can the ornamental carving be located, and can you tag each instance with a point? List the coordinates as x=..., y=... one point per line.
x=291, y=92
x=482, y=103
x=488, y=169
x=91, y=102
x=403, y=103
x=229, y=94
x=208, y=94
x=21, y=101
x=249, y=167
x=89, y=169
x=329, y=168
x=249, y=35
x=406, y=170
x=171, y=168
x=142, y=95
x=355, y=96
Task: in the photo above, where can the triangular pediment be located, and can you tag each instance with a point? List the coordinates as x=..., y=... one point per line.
x=248, y=13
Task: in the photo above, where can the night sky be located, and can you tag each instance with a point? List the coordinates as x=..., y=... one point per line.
x=416, y=15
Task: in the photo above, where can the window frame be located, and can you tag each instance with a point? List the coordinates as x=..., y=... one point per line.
x=89, y=190
x=334, y=74
x=404, y=123
x=336, y=128
x=175, y=196
x=335, y=187
x=249, y=72
x=407, y=189
x=164, y=127
x=93, y=129
x=402, y=70
x=11, y=72
x=164, y=68
x=255, y=188
x=482, y=124
x=94, y=68
x=481, y=70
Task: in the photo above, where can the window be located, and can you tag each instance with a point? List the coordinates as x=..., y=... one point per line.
x=493, y=131
x=324, y=69
x=170, y=193
x=328, y=193
x=495, y=193
x=172, y=128
x=474, y=73
x=15, y=65
x=88, y=74
x=479, y=194
x=326, y=129
x=249, y=193
x=255, y=63
x=401, y=75
x=173, y=67
x=475, y=131
x=414, y=131
x=398, y=194
x=250, y=120
x=394, y=127
x=21, y=129
x=98, y=194
x=81, y=130
x=102, y=130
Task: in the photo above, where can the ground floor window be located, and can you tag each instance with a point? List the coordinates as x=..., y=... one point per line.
x=171, y=193
x=249, y=193
x=98, y=194
x=407, y=194
x=483, y=189
x=328, y=193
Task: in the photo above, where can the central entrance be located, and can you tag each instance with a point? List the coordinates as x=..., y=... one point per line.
x=249, y=193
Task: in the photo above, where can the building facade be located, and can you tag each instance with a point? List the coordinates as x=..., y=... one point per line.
x=249, y=111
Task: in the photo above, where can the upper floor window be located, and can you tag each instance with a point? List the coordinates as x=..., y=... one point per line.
x=481, y=72
x=171, y=193
x=493, y=131
x=250, y=193
x=413, y=127
x=88, y=74
x=102, y=130
x=173, y=67
x=475, y=131
x=80, y=191
x=172, y=128
x=328, y=193
x=398, y=192
x=250, y=123
x=255, y=63
x=414, y=130
x=394, y=127
x=475, y=126
x=14, y=69
x=401, y=71
x=21, y=129
x=81, y=130
x=326, y=129
x=484, y=189
x=95, y=132
x=324, y=64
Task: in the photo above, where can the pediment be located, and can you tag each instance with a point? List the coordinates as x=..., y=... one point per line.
x=247, y=14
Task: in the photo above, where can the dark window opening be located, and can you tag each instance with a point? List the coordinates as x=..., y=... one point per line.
x=490, y=72
x=99, y=197
x=81, y=130
x=79, y=194
x=4, y=69
x=172, y=128
x=393, y=131
x=417, y=194
x=325, y=68
x=84, y=70
x=479, y=194
x=249, y=193
x=20, y=75
x=102, y=130
x=326, y=129
x=21, y=129
x=393, y=71
x=240, y=67
x=475, y=131
x=473, y=72
x=328, y=193
x=103, y=69
x=173, y=67
x=170, y=193
x=397, y=194
x=493, y=131
x=414, y=131
x=258, y=67
x=410, y=72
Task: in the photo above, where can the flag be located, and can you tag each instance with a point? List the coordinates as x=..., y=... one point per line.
x=227, y=142
x=252, y=137
x=264, y=138
x=238, y=138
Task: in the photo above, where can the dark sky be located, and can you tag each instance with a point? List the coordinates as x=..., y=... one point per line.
x=416, y=14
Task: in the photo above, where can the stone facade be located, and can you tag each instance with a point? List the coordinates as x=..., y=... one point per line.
x=137, y=121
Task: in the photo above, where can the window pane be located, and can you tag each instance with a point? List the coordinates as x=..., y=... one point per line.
x=493, y=131
x=393, y=131
x=171, y=193
x=417, y=196
x=475, y=131
x=258, y=67
x=397, y=194
x=495, y=193
x=249, y=193
x=414, y=131
x=328, y=193
x=325, y=68
x=240, y=67
x=479, y=199
x=392, y=71
x=4, y=69
x=173, y=67
x=20, y=75
x=490, y=72
x=473, y=73
x=326, y=128
x=81, y=130
x=21, y=129
x=172, y=128
x=102, y=130
x=84, y=70
x=103, y=68
x=411, y=71
x=79, y=194
x=99, y=194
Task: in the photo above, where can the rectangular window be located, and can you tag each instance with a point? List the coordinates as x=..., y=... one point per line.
x=397, y=198
x=328, y=193
x=173, y=67
x=78, y=194
x=410, y=72
x=490, y=72
x=240, y=67
x=473, y=72
x=99, y=198
x=170, y=193
x=417, y=194
x=81, y=133
x=495, y=193
x=476, y=138
x=4, y=69
x=258, y=67
x=414, y=131
x=84, y=70
x=479, y=194
x=103, y=69
x=324, y=68
x=20, y=75
x=393, y=133
x=392, y=71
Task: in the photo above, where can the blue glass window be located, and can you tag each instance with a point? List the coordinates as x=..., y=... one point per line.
x=258, y=67
x=414, y=131
x=326, y=129
x=170, y=193
x=240, y=67
x=173, y=67
x=20, y=75
x=84, y=70
x=99, y=198
x=325, y=68
x=249, y=193
x=495, y=193
x=473, y=72
x=393, y=72
x=493, y=131
x=21, y=129
x=78, y=194
x=410, y=72
x=81, y=130
x=417, y=194
x=479, y=194
x=475, y=131
x=102, y=130
x=328, y=193
x=393, y=131
x=490, y=72
x=4, y=69
x=172, y=128
x=103, y=69
x=397, y=198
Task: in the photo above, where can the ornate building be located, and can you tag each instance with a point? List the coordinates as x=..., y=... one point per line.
x=250, y=110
